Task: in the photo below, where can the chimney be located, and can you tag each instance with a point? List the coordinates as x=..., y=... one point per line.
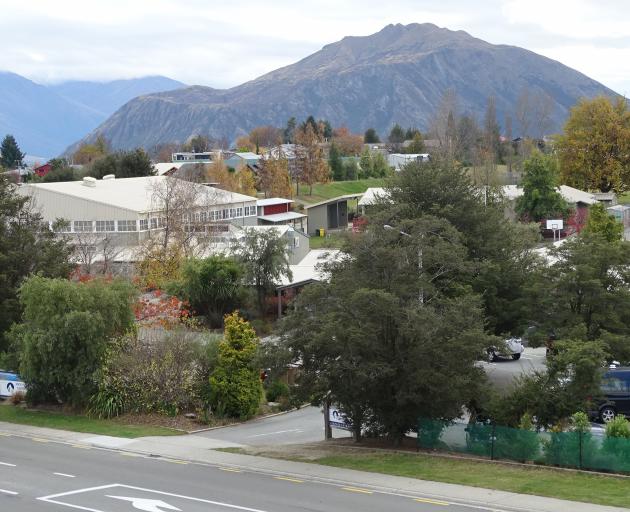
x=88, y=181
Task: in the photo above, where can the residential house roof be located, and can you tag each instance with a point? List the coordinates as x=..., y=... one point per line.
x=570, y=194
x=373, y=195
x=269, y=201
x=281, y=217
x=309, y=269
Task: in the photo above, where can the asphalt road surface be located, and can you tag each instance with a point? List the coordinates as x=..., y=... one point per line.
x=305, y=425
x=39, y=476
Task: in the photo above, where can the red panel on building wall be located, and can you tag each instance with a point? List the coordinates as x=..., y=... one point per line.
x=276, y=208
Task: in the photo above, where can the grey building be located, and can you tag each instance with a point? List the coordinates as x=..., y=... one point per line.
x=131, y=208
x=329, y=214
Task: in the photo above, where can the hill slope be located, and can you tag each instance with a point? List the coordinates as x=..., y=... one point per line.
x=396, y=75
x=46, y=119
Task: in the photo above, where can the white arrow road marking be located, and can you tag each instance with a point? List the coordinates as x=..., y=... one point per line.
x=148, y=505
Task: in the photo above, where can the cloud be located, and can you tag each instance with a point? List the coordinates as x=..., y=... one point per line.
x=222, y=44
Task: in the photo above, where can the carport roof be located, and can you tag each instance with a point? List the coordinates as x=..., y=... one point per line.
x=337, y=199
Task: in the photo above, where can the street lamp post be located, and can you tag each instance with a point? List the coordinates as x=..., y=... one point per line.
x=420, y=264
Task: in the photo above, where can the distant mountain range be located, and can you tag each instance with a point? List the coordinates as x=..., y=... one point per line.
x=396, y=75
x=46, y=119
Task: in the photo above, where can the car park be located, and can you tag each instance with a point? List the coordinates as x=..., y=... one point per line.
x=615, y=391
x=512, y=348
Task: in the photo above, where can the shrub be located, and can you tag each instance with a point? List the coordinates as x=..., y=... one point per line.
x=618, y=428
x=235, y=386
x=276, y=390
x=18, y=397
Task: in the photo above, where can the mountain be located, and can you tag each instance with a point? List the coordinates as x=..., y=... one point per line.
x=396, y=75
x=46, y=119
x=107, y=97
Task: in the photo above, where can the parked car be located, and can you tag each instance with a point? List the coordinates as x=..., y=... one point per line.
x=615, y=399
x=513, y=347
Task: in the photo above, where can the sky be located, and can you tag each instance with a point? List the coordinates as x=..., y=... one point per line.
x=225, y=43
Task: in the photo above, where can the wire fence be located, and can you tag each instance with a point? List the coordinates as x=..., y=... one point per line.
x=579, y=450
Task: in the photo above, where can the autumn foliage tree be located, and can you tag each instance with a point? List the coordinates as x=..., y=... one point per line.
x=274, y=179
x=349, y=144
x=312, y=164
x=594, y=150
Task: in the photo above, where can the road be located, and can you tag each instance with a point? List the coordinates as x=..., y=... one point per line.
x=36, y=475
x=305, y=425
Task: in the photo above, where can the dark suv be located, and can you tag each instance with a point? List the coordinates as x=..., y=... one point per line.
x=616, y=395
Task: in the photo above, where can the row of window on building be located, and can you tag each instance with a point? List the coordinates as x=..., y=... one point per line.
x=108, y=226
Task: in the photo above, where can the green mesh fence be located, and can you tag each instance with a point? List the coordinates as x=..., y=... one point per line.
x=566, y=449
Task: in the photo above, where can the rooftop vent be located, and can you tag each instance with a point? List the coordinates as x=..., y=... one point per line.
x=109, y=177
x=88, y=181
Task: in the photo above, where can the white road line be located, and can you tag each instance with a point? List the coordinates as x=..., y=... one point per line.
x=64, y=474
x=7, y=464
x=276, y=433
x=10, y=493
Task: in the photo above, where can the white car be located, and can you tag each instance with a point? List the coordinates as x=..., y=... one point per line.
x=513, y=348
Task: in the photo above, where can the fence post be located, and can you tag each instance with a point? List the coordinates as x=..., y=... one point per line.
x=580, y=460
x=494, y=427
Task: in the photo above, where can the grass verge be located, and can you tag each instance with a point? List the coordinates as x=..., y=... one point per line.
x=78, y=423
x=552, y=483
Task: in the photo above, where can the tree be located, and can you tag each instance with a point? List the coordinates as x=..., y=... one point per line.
x=335, y=163
x=235, y=386
x=503, y=250
x=585, y=293
x=212, y=286
x=198, y=144
x=265, y=137
x=351, y=169
x=347, y=143
x=65, y=332
x=396, y=135
x=417, y=144
x=373, y=164
x=602, y=223
x=594, y=150
x=123, y=164
x=274, y=179
x=491, y=132
x=88, y=153
x=382, y=337
x=263, y=255
x=60, y=171
x=26, y=247
x=10, y=155
x=541, y=199
x=244, y=144
x=310, y=157
x=289, y=131
x=371, y=137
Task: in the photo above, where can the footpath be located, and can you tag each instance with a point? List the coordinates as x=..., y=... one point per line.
x=203, y=450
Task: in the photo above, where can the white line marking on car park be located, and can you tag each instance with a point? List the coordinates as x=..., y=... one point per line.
x=64, y=474
x=7, y=464
x=10, y=493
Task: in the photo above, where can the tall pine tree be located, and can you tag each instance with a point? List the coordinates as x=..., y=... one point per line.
x=10, y=155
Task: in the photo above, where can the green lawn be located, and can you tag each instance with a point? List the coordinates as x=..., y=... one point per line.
x=333, y=241
x=78, y=423
x=568, y=485
x=535, y=480
x=323, y=191
x=624, y=198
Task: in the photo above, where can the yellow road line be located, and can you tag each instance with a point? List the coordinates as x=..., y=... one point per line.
x=231, y=470
x=432, y=502
x=356, y=489
x=83, y=447
x=39, y=440
x=127, y=454
x=287, y=479
x=175, y=461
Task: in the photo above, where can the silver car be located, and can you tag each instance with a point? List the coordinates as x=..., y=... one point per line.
x=513, y=347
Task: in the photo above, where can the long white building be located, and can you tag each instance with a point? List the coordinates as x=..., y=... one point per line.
x=133, y=207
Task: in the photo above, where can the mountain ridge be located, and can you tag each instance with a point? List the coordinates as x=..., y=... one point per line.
x=397, y=75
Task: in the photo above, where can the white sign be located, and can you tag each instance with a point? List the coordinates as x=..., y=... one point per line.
x=10, y=383
x=337, y=419
x=556, y=225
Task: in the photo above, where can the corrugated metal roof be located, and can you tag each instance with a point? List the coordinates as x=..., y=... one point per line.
x=281, y=217
x=334, y=200
x=135, y=194
x=273, y=200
